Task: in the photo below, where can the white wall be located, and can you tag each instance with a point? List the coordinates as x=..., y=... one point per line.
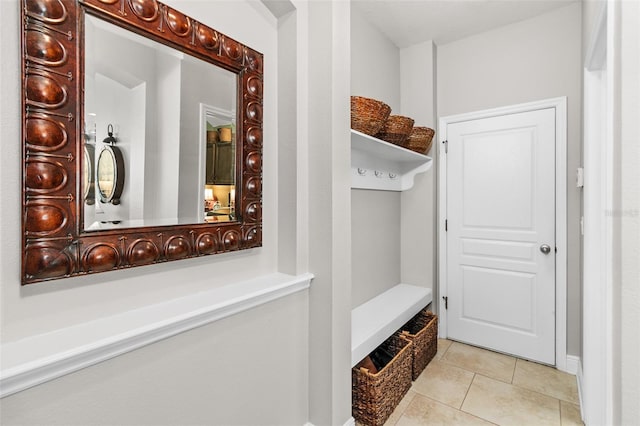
x=611, y=384
x=290, y=182
x=375, y=216
x=123, y=108
x=43, y=307
x=166, y=149
x=228, y=372
x=248, y=369
x=628, y=220
x=531, y=60
x=375, y=63
x=121, y=93
x=418, y=213
x=375, y=230
x=328, y=90
x=327, y=25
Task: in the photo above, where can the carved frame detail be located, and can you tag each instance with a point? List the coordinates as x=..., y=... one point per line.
x=54, y=242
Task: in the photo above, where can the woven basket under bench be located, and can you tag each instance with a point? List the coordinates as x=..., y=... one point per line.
x=422, y=330
x=375, y=396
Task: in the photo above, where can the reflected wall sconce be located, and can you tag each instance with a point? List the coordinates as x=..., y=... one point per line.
x=110, y=170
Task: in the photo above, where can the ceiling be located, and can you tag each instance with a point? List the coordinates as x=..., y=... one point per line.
x=407, y=22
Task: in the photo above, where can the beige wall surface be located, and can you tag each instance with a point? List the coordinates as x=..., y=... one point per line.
x=248, y=369
x=419, y=213
x=591, y=10
x=629, y=218
x=536, y=59
x=329, y=212
x=375, y=233
x=375, y=216
x=375, y=63
x=39, y=308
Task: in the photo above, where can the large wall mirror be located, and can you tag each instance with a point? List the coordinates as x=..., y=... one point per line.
x=142, y=135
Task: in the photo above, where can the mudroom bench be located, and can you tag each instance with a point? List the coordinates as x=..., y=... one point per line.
x=377, y=319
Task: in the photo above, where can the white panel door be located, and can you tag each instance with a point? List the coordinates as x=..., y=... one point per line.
x=501, y=219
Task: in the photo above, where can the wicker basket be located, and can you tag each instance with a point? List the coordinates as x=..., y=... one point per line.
x=422, y=330
x=420, y=139
x=396, y=130
x=375, y=396
x=368, y=115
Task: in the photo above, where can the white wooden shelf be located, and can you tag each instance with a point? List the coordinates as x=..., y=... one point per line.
x=374, y=321
x=376, y=164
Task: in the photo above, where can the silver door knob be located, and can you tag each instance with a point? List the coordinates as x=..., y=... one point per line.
x=545, y=249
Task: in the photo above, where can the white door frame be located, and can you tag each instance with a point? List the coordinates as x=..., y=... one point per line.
x=560, y=105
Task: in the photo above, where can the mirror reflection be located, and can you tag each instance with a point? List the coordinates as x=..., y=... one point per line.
x=88, y=184
x=106, y=174
x=174, y=119
x=219, y=132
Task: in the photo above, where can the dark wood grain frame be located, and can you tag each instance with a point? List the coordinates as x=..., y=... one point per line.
x=55, y=244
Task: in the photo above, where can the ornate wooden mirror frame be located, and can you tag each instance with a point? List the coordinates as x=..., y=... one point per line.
x=54, y=243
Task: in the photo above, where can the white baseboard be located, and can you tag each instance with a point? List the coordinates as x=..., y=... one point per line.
x=350, y=422
x=37, y=359
x=580, y=380
x=572, y=366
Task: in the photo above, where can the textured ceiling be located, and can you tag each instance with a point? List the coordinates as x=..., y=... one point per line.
x=407, y=22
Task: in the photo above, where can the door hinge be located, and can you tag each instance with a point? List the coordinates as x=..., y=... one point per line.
x=446, y=302
x=446, y=146
x=446, y=225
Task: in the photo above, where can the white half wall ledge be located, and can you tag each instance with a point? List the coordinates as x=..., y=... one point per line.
x=38, y=359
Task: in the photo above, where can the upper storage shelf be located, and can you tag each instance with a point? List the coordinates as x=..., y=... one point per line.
x=376, y=164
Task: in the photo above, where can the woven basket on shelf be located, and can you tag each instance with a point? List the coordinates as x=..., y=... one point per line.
x=396, y=130
x=375, y=396
x=422, y=330
x=420, y=139
x=368, y=115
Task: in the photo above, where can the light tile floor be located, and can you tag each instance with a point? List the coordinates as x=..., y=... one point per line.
x=465, y=385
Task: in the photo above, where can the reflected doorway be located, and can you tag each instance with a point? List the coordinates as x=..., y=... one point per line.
x=218, y=136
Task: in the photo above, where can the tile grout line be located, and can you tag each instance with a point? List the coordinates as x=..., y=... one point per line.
x=474, y=372
x=446, y=350
x=467, y=393
x=543, y=394
x=516, y=386
x=539, y=392
x=526, y=389
x=513, y=374
x=404, y=410
x=517, y=360
x=560, y=411
x=461, y=411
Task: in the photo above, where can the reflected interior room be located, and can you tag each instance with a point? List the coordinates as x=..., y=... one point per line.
x=128, y=96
